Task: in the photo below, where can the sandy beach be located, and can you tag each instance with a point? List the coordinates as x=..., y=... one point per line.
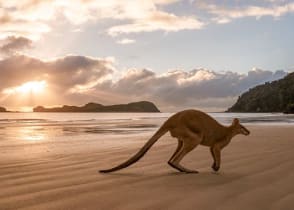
x=257, y=172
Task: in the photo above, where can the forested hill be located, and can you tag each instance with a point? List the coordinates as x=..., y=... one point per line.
x=276, y=96
x=141, y=106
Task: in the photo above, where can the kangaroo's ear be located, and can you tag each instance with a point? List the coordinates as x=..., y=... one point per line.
x=236, y=121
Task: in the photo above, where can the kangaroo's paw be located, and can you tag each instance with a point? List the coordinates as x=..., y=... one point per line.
x=215, y=167
x=175, y=167
x=181, y=168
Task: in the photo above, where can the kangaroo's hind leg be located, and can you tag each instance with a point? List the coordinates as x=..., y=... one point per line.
x=217, y=157
x=214, y=159
x=180, y=145
x=188, y=145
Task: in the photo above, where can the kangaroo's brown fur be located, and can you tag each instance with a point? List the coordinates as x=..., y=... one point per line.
x=191, y=128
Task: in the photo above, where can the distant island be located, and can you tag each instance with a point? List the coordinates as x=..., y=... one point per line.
x=2, y=109
x=142, y=106
x=276, y=96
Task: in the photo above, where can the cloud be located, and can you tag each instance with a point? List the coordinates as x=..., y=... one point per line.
x=126, y=41
x=225, y=14
x=33, y=18
x=158, y=21
x=163, y=2
x=199, y=88
x=13, y=44
x=19, y=18
x=80, y=79
x=62, y=75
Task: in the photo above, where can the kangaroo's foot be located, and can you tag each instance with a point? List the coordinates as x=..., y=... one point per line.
x=215, y=167
x=174, y=166
x=188, y=171
x=181, y=168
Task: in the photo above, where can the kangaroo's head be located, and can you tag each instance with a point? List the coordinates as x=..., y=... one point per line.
x=238, y=128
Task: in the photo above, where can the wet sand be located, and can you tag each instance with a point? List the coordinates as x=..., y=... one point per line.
x=257, y=172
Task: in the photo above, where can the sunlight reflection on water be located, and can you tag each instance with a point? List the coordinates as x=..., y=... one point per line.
x=31, y=133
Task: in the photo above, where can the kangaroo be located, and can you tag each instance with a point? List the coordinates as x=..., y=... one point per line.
x=191, y=128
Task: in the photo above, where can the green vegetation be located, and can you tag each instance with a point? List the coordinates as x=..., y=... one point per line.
x=276, y=96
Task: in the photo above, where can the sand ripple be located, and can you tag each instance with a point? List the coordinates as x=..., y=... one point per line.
x=257, y=173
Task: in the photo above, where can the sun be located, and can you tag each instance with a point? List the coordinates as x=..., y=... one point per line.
x=34, y=87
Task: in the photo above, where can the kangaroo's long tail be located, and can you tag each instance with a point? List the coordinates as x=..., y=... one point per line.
x=161, y=131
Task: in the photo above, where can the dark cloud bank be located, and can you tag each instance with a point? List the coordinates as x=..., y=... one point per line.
x=11, y=45
x=80, y=79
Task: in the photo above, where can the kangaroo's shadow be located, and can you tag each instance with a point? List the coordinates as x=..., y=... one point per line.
x=180, y=179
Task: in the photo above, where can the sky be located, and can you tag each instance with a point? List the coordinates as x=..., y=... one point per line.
x=176, y=53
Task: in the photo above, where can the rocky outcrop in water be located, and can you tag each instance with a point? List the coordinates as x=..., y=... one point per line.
x=142, y=106
x=2, y=109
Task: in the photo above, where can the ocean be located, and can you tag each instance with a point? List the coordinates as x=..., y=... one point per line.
x=118, y=123
x=31, y=133
x=47, y=119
